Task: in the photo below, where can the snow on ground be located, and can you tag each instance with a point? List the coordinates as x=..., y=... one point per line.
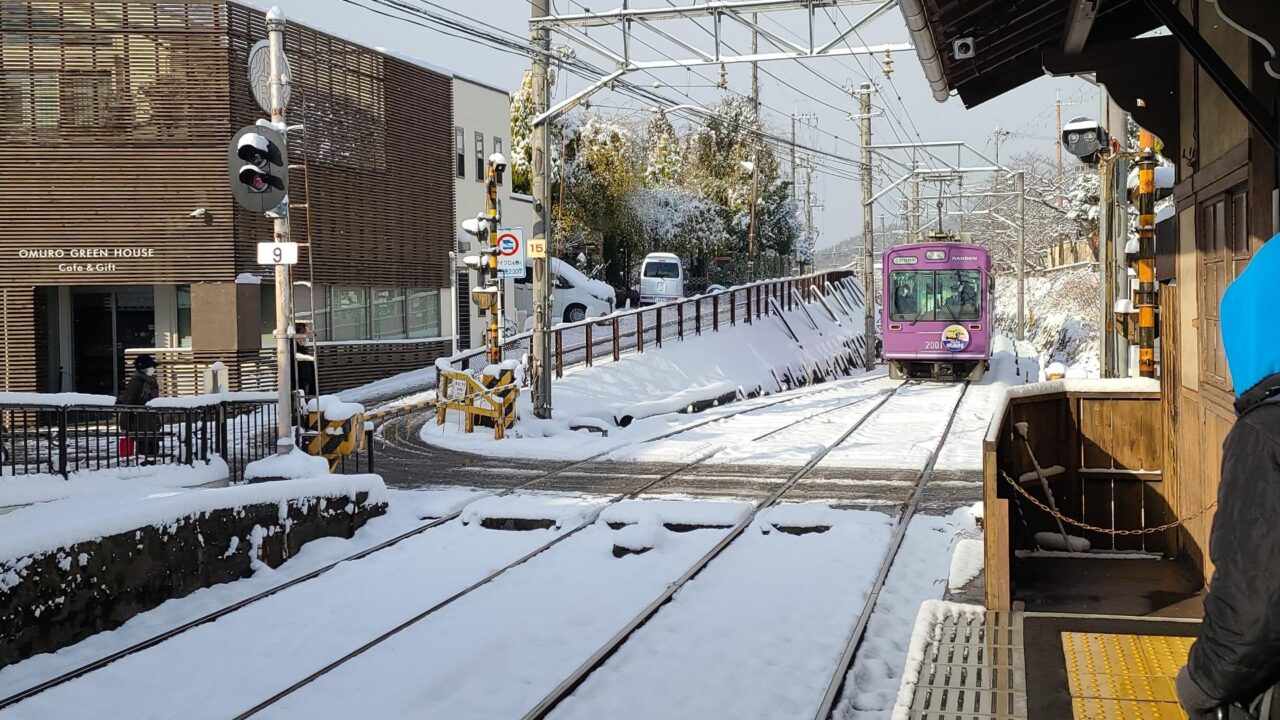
x=220, y=669
x=1009, y=367
x=134, y=481
x=749, y=357
x=92, y=515
x=497, y=652
x=919, y=574
x=798, y=444
x=755, y=635
x=903, y=432
x=1062, y=317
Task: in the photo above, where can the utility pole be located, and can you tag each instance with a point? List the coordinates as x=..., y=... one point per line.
x=868, y=229
x=541, y=365
x=1146, y=295
x=915, y=205
x=280, y=233
x=755, y=154
x=1057, y=104
x=1020, y=182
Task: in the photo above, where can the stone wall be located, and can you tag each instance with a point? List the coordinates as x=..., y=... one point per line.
x=57, y=598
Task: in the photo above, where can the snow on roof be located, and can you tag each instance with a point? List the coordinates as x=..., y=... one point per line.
x=1164, y=212
x=601, y=290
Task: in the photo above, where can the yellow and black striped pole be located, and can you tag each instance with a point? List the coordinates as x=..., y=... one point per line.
x=495, y=310
x=1145, y=298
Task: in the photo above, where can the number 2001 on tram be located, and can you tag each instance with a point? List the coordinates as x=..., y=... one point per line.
x=936, y=311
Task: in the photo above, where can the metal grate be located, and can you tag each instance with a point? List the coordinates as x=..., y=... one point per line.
x=973, y=668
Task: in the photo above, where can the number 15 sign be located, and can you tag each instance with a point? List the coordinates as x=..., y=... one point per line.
x=277, y=253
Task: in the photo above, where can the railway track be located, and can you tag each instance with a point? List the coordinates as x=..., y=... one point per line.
x=598, y=659
x=880, y=398
x=530, y=484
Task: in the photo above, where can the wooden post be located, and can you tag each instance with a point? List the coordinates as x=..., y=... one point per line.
x=617, y=340
x=733, y=308
x=640, y=331
x=591, y=349
x=680, y=320
x=697, y=316
x=657, y=325
x=995, y=535
x=715, y=313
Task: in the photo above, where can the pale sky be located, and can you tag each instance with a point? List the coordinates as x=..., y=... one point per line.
x=786, y=87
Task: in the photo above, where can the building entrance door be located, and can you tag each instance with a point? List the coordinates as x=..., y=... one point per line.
x=105, y=322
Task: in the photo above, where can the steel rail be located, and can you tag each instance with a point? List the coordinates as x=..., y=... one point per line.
x=602, y=655
x=214, y=615
x=588, y=522
x=847, y=658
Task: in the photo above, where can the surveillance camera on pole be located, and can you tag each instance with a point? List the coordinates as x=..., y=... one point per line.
x=1085, y=138
x=499, y=165
x=259, y=168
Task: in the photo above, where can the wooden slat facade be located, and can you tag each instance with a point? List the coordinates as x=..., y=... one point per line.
x=114, y=123
x=1224, y=200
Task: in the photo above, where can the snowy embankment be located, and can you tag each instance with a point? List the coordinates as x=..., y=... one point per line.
x=1012, y=364
x=752, y=359
x=1062, y=317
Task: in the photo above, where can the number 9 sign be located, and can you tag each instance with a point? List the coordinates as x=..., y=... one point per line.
x=277, y=253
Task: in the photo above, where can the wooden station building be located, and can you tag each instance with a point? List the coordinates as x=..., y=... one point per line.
x=118, y=233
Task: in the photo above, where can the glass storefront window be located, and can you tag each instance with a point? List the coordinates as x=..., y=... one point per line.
x=184, y=316
x=424, y=313
x=350, y=313
x=317, y=319
x=388, y=314
x=267, y=313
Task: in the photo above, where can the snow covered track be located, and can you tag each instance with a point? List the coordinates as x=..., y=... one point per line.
x=599, y=693
x=567, y=687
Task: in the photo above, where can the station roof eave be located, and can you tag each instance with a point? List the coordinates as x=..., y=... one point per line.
x=1015, y=42
x=1009, y=38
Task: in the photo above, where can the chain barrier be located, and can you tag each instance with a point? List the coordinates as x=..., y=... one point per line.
x=1105, y=531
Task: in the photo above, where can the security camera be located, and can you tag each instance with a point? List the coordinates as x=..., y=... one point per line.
x=962, y=48
x=198, y=213
x=1084, y=138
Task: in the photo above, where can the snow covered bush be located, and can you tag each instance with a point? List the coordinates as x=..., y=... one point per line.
x=1062, y=316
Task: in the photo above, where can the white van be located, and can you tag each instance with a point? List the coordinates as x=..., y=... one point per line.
x=574, y=296
x=661, y=278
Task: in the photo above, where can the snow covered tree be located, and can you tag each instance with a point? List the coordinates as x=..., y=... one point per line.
x=521, y=160
x=675, y=220
x=601, y=171
x=663, y=153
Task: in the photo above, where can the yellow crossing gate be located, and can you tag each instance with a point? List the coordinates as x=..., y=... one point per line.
x=489, y=401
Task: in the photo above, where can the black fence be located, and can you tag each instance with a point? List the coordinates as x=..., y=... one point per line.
x=62, y=440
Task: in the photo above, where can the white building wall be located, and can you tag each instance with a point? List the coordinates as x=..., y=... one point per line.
x=480, y=108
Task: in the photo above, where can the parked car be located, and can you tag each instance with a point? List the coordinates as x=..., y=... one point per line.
x=661, y=278
x=574, y=296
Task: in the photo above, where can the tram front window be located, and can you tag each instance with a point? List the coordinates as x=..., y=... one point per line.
x=913, y=295
x=944, y=295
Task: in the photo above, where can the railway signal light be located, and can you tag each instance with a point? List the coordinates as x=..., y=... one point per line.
x=259, y=168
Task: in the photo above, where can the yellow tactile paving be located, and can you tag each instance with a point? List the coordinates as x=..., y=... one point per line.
x=1124, y=677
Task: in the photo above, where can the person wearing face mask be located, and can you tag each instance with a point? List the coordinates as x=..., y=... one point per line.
x=142, y=429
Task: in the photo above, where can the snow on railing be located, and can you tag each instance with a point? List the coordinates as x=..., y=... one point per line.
x=608, y=338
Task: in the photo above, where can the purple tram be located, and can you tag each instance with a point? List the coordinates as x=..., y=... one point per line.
x=936, y=311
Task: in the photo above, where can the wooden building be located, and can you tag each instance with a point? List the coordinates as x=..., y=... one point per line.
x=118, y=233
x=1208, y=88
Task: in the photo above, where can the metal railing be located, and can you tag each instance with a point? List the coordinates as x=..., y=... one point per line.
x=607, y=339
x=38, y=439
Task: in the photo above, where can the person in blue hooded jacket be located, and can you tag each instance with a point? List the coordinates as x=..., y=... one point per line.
x=1234, y=666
